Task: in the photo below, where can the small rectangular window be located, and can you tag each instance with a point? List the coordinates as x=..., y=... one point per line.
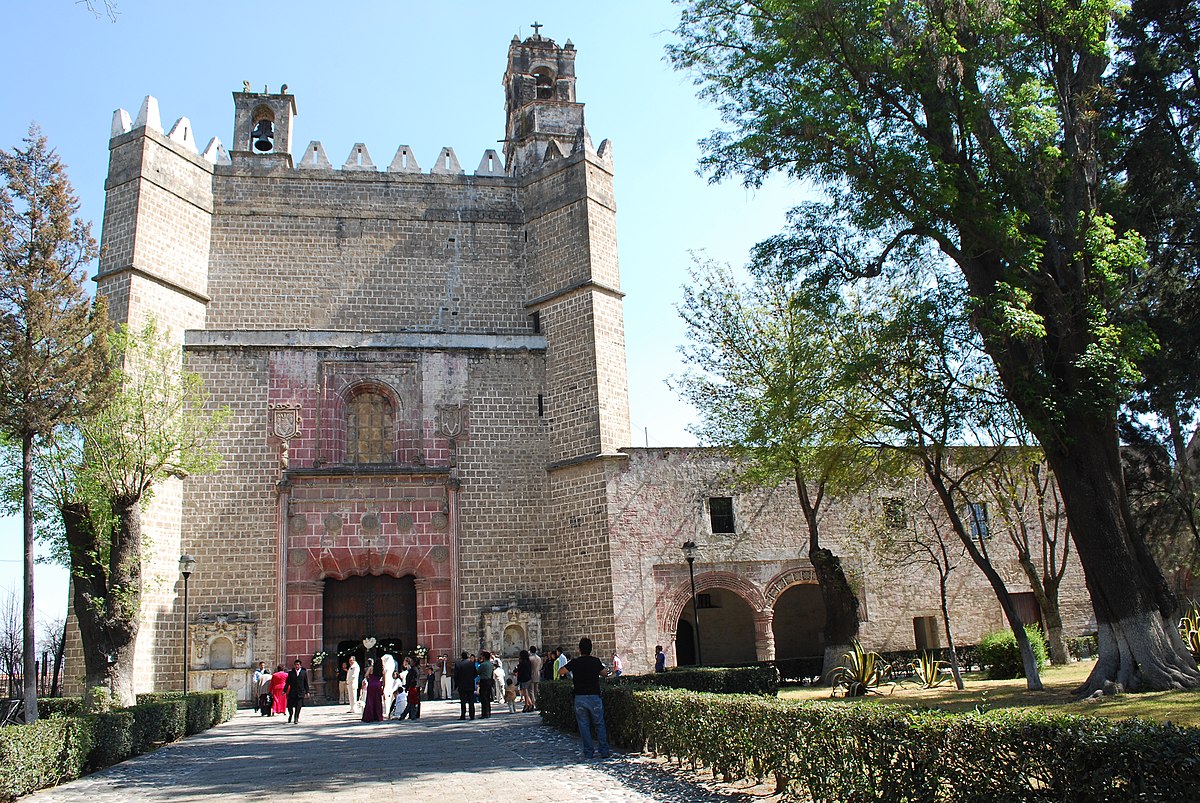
x=894, y=515
x=535, y=322
x=720, y=514
x=541, y=405
x=704, y=601
x=977, y=520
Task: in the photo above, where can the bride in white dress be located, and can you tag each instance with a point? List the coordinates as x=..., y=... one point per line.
x=389, y=683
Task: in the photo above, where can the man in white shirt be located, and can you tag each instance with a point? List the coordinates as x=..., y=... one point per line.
x=352, y=675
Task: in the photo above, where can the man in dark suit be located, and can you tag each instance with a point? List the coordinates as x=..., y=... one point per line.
x=296, y=689
x=464, y=678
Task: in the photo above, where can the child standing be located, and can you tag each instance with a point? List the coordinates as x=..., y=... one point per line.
x=413, y=709
x=510, y=695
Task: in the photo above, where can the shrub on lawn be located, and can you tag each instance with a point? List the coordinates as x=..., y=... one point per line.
x=827, y=751
x=1000, y=655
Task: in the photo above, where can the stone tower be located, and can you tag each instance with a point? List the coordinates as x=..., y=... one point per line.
x=425, y=373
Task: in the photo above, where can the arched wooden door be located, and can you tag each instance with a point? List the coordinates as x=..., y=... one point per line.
x=378, y=606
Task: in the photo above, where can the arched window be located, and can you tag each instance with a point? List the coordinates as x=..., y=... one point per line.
x=220, y=654
x=262, y=131
x=545, y=83
x=370, y=433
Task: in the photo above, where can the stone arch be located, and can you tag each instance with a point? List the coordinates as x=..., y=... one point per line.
x=787, y=578
x=745, y=590
x=262, y=129
x=681, y=596
x=543, y=83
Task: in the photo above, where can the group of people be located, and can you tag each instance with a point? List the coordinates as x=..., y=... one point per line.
x=383, y=690
x=280, y=691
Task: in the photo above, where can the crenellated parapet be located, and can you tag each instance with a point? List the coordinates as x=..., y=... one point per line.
x=272, y=144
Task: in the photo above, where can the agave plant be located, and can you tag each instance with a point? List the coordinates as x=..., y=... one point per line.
x=929, y=671
x=1189, y=628
x=860, y=672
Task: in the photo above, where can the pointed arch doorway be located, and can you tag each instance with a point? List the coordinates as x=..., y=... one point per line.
x=378, y=606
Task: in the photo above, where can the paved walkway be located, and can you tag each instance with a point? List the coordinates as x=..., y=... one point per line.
x=510, y=757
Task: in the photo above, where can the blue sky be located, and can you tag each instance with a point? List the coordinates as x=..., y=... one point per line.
x=426, y=75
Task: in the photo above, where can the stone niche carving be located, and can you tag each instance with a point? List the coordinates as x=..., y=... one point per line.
x=508, y=631
x=222, y=652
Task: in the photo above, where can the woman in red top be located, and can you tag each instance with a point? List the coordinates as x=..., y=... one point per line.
x=278, y=698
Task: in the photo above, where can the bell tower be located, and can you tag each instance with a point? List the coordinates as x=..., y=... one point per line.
x=541, y=111
x=262, y=124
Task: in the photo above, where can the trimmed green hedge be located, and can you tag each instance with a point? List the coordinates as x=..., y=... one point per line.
x=734, y=680
x=204, y=708
x=64, y=745
x=830, y=751
x=46, y=753
x=60, y=706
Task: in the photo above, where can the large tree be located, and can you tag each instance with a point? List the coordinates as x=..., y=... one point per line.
x=763, y=379
x=53, y=355
x=974, y=125
x=1154, y=186
x=102, y=471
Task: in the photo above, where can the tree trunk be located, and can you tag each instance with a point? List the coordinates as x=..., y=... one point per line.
x=1045, y=592
x=107, y=599
x=841, y=605
x=60, y=650
x=27, y=610
x=933, y=473
x=1139, y=645
x=954, y=668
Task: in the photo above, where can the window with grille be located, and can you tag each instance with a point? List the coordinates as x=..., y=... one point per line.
x=370, y=431
x=894, y=515
x=720, y=514
x=977, y=520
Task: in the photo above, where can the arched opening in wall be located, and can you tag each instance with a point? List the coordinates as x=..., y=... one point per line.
x=685, y=644
x=799, y=622
x=726, y=628
x=262, y=130
x=544, y=82
x=370, y=606
x=220, y=654
x=370, y=429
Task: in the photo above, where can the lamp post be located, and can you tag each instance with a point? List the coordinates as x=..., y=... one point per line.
x=690, y=551
x=186, y=564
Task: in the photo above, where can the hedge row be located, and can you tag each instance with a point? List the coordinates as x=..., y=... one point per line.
x=65, y=744
x=733, y=680
x=866, y=751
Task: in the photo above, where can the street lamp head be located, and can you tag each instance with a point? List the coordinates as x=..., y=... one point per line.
x=690, y=550
x=186, y=564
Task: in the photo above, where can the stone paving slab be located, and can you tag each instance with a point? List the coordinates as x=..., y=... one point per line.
x=509, y=757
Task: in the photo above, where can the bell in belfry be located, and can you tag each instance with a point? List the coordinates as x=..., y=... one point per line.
x=263, y=136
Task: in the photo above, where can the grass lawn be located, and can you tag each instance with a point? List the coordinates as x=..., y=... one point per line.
x=1180, y=707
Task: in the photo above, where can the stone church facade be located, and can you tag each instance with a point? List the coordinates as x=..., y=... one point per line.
x=428, y=440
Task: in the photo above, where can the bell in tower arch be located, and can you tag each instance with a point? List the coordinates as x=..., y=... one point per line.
x=263, y=136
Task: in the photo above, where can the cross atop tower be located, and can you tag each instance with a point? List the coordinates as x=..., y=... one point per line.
x=537, y=26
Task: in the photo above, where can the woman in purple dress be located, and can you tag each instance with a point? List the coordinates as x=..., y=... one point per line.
x=373, y=705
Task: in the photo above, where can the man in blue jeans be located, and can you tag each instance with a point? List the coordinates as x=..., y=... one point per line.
x=586, y=671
